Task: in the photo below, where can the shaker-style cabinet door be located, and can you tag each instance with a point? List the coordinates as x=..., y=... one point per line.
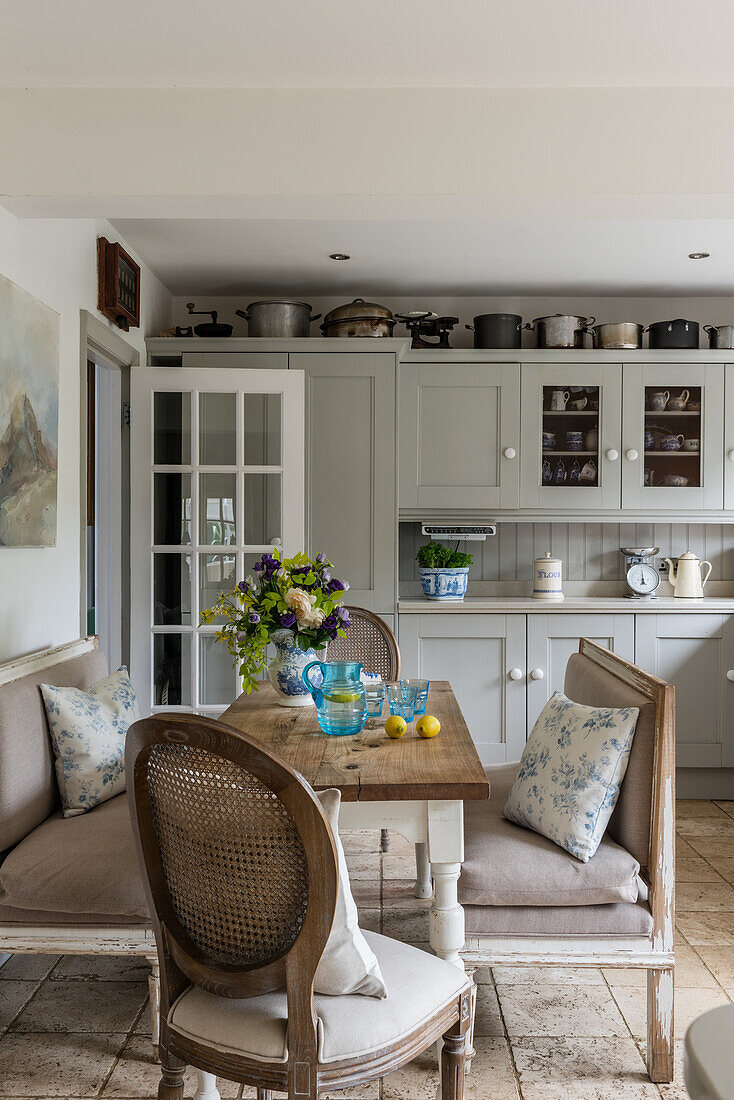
x=673, y=446
x=553, y=638
x=459, y=431
x=729, y=435
x=483, y=658
x=571, y=431
x=695, y=653
x=351, y=477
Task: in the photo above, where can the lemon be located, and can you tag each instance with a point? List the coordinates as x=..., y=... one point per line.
x=395, y=726
x=342, y=697
x=428, y=726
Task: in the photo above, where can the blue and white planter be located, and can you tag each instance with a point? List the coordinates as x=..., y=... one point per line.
x=444, y=584
x=286, y=670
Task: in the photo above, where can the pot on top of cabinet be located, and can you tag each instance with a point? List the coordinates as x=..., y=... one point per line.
x=720, y=336
x=561, y=330
x=278, y=317
x=618, y=334
x=674, y=334
x=359, y=318
x=497, y=330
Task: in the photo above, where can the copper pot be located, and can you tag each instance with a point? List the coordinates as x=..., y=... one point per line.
x=359, y=318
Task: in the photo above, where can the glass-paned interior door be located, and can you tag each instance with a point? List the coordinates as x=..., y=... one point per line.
x=217, y=480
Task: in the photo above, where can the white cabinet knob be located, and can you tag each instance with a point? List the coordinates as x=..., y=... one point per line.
x=516, y=674
x=537, y=673
x=510, y=452
x=612, y=455
x=730, y=456
x=730, y=674
x=632, y=455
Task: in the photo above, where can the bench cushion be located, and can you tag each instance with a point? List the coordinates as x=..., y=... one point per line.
x=28, y=791
x=508, y=865
x=570, y=920
x=418, y=986
x=83, y=864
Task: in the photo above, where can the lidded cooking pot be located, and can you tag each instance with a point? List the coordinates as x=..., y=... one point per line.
x=359, y=318
x=720, y=336
x=561, y=330
x=278, y=317
x=497, y=330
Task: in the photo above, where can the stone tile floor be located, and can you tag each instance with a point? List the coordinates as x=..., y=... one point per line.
x=76, y=1027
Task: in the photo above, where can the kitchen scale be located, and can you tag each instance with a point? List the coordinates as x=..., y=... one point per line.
x=643, y=579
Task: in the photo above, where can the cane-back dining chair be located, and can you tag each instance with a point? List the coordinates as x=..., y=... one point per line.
x=371, y=641
x=241, y=874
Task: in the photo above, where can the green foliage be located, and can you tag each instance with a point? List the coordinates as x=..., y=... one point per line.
x=436, y=556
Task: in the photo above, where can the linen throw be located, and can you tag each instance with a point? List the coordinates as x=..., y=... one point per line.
x=570, y=773
x=88, y=731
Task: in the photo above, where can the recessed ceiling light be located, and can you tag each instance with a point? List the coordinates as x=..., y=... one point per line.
x=698, y=255
x=339, y=256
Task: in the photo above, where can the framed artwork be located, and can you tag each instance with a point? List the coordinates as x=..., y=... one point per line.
x=29, y=418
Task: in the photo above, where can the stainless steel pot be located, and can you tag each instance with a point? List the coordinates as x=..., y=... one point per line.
x=359, y=318
x=561, y=331
x=720, y=336
x=277, y=317
x=618, y=334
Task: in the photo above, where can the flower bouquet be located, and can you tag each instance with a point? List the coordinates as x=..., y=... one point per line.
x=293, y=603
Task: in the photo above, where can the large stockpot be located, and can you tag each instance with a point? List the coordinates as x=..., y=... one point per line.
x=674, y=334
x=497, y=330
x=618, y=334
x=720, y=336
x=359, y=318
x=278, y=317
x=561, y=330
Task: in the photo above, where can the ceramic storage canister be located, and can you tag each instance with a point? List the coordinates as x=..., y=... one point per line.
x=547, y=578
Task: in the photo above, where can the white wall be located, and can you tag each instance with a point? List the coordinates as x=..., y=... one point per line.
x=642, y=310
x=57, y=262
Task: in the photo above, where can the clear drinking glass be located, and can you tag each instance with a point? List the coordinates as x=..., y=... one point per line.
x=421, y=694
x=374, y=695
x=406, y=709
x=394, y=696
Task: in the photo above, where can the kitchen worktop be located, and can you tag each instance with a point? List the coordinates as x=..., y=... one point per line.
x=578, y=605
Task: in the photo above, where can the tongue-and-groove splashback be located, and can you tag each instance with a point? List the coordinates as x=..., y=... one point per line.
x=590, y=551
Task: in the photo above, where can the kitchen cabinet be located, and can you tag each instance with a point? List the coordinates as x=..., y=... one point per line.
x=483, y=657
x=459, y=435
x=696, y=653
x=667, y=408
x=729, y=435
x=553, y=638
x=571, y=418
x=351, y=479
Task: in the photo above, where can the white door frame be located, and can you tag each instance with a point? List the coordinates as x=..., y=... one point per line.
x=103, y=346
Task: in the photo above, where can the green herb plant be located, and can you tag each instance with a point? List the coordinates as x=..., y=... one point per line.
x=435, y=556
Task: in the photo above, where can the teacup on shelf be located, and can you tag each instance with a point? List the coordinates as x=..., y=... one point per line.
x=671, y=442
x=578, y=404
x=691, y=444
x=675, y=481
x=549, y=441
x=574, y=441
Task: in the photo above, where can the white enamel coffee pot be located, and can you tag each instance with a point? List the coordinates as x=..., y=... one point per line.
x=685, y=575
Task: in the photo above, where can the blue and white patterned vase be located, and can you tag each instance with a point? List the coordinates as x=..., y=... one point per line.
x=444, y=584
x=286, y=670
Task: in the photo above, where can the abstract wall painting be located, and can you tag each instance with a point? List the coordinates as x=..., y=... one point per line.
x=29, y=418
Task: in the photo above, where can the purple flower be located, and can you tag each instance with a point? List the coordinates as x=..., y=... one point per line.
x=242, y=586
x=336, y=586
x=253, y=617
x=287, y=618
x=326, y=575
x=320, y=558
x=330, y=622
x=344, y=616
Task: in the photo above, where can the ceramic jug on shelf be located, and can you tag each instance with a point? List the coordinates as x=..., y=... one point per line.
x=685, y=575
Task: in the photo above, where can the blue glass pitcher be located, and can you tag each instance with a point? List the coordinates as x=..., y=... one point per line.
x=340, y=701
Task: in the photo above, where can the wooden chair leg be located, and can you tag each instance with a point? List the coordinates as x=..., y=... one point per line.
x=453, y=1058
x=264, y=1094
x=172, y=1074
x=660, y=1025
x=154, y=990
x=385, y=840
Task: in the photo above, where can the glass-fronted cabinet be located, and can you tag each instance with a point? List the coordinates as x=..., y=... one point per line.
x=217, y=480
x=673, y=436
x=571, y=429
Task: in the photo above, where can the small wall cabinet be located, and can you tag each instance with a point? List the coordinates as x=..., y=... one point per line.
x=459, y=435
x=696, y=653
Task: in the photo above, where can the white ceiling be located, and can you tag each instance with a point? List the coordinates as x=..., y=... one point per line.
x=386, y=43
x=589, y=257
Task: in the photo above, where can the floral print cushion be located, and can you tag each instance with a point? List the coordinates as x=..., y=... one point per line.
x=88, y=736
x=570, y=773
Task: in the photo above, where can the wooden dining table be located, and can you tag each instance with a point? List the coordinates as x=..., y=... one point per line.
x=414, y=786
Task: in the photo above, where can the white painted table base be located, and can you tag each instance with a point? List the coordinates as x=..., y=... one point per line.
x=437, y=830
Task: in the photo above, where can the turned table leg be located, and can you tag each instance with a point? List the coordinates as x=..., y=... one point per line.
x=423, y=885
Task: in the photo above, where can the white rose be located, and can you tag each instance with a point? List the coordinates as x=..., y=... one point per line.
x=314, y=618
x=300, y=602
